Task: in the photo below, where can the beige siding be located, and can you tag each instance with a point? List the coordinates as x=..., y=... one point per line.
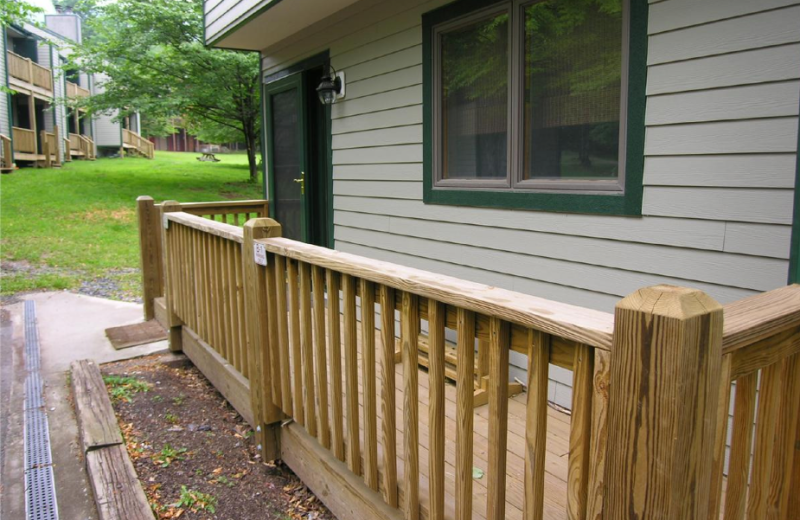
x=107, y=133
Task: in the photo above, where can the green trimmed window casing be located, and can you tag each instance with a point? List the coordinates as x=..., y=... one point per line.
x=481, y=58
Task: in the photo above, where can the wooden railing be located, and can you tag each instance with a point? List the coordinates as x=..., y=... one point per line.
x=81, y=146
x=51, y=149
x=29, y=71
x=151, y=225
x=18, y=67
x=24, y=140
x=133, y=140
x=74, y=90
x=7, y=162
x=311, y=333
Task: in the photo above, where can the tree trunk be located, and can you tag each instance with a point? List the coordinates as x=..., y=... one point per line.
x=252, y=159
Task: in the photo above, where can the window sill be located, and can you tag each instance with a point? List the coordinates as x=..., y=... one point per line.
x=594, y=203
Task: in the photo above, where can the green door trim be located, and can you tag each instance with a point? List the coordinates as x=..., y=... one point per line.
x=276, y=82
x=295, y=81
x=794, y=255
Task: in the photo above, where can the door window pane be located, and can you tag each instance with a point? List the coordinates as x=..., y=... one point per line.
x=286, y=162
x=573, y=63
x=474, y=83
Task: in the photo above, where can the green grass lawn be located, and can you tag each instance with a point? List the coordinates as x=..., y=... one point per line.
x=63, y=227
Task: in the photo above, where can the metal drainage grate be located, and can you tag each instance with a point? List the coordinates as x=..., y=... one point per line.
x=40, y=493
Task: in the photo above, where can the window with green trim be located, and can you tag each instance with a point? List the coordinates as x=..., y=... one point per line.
x=535, y=105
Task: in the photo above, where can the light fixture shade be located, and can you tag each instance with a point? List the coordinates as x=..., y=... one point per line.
x=330, y=88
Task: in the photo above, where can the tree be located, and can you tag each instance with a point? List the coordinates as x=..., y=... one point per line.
x=153, y=56
x=17, y=12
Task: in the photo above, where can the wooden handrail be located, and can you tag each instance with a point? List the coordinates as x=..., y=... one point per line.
x=18, y=67
x=757, y=317
x=574, y=323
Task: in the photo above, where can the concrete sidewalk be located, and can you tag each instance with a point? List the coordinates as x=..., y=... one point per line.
x=71, y=327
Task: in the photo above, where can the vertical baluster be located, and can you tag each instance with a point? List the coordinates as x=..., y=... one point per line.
x=388, y=374
x=283, y=333
x=351, y=373
x=280, y=365
x=217, y=293
x=209, y=283
x=785, y=450
x=409, y=337
x=240, y=323
x=307, y=352
x=580, y=432
x=499, y=339
x=236, y=219
x=720, y=437
x=436, y=408
x=199, y=281
x=335, y=340
x=294, y=321
x=597, y=460
x=465, y=391
x=739, y=462
x=536, y=423
x=769, y=399
x=320, y=356
x=233, y=357
x=369, y=384
x=223, y=297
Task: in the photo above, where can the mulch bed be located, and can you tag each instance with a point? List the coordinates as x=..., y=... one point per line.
x=181, y=411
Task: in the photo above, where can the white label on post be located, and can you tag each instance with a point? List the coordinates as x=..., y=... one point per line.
x=166, y=221
x=260, y=254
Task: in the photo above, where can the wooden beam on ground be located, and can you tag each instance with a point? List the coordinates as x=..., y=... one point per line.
x=117, y=491
x=97, y=423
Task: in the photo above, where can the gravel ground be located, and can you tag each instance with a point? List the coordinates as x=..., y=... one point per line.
x=115, y=284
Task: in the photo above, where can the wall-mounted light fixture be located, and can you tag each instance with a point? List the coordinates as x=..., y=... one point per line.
x=331, y=87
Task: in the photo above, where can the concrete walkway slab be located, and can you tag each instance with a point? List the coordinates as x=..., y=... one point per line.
x=71, y=327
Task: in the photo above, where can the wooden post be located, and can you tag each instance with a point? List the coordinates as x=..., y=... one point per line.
x=32, y=116
x=664, y=389
x=45, y=148
x=150, y=253
x=267, y=415
x=174, y=323
x=57, y=141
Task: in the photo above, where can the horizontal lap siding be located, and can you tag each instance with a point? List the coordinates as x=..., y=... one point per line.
x=720, y=153
x=5, y=123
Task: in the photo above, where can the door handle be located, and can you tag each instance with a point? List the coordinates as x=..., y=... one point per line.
x=302, y=182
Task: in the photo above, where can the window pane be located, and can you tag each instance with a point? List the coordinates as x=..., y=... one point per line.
x=475, y=100
x=573, y=64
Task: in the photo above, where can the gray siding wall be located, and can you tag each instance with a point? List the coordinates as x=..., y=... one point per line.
x=106, y=131
x=221, y=14
x=5, y=122
x=721, y=148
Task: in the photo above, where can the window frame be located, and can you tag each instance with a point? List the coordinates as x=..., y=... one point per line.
x=621, y=196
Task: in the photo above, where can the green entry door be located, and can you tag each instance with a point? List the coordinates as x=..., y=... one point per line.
x=298, y=158
x=286, y=155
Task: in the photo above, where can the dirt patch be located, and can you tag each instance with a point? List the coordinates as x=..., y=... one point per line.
x=191, y=449
x=118, y=215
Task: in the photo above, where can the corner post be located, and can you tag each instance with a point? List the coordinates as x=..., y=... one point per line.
x=173, y=321
x=150, y=253
x=45, y=148
x=663, y=396
x=267, y=415
x=57, y=144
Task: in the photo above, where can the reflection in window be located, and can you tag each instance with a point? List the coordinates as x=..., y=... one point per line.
x=573, y=63
x=474, y=83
